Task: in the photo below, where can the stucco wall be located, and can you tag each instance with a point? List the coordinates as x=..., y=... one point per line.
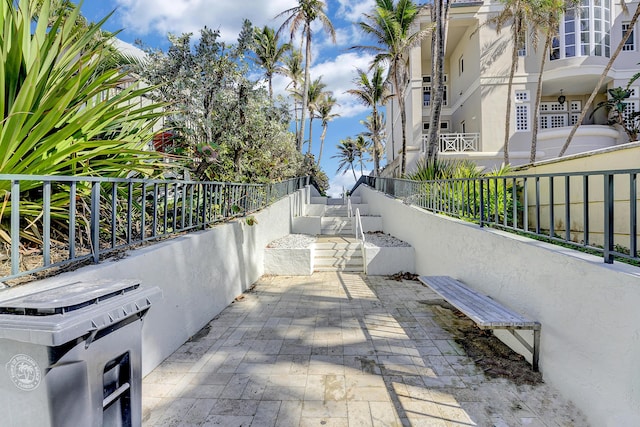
x=616, y=158
x=199, y=274
x=590, y=341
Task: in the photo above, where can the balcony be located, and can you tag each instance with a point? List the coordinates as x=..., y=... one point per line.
x=456, y=142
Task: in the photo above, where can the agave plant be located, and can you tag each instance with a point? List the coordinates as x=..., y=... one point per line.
x=63, y=111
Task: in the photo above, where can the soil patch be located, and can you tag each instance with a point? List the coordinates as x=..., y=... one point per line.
x=399, y=277
x=495, y=358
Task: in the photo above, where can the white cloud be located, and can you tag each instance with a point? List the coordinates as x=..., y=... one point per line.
x=180, y=16
x=338, y=74
x=353, y=10
x=345, y=180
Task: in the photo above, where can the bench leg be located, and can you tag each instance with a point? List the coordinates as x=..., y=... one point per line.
x=536, y=349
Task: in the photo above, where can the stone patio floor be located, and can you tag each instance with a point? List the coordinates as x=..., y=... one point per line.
x=337, y=349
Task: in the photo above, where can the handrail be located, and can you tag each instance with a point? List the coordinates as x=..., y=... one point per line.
x=362, y=238
x=85, y=218
x=540, y=205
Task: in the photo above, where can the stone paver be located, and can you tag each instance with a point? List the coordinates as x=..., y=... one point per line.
x=337, y=349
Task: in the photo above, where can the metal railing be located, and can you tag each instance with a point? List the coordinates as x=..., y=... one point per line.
x=600, y=208
x=360, y=230
x=455, y=142
x=53, y=221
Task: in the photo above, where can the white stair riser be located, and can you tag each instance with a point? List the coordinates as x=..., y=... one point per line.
x=337, y=247
x=329, y=253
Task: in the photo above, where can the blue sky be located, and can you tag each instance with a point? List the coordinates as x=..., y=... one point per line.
x=151, y=20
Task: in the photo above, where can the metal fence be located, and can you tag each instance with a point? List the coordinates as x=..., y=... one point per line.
x=53, y=221
x=592, y=211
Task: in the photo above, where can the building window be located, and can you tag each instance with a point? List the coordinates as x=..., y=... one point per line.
x=522, y=110
x=629, y=45
x=463, y=127
x=444, y=126
x=461, y=66
x=427, y=94
x=522, y=49
x=555, y=115
x=522, y=117
x=586, y=31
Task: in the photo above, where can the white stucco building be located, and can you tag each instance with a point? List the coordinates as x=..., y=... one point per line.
x=477, y=69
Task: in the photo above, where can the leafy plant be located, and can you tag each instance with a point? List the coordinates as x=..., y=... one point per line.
x=453, y=187
x=615, y=107
x=63, y=110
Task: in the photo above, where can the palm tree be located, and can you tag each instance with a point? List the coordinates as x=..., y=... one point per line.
x=439, y=11
x=267, y=52
x=372, y=92
x=515, y=13
x=346, y=156
x=375, y=131
x=391, y=26
x=303, y=16
x=316, y=89
x=548, y=20
x=325, y=105
x=596, y=89
x=293, y=70
x=362, y=147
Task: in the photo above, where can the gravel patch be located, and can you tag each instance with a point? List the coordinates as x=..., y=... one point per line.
x=293, y=241
x=381, y=240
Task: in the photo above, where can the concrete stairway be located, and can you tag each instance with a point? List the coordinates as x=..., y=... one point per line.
x=336, y=248
x=338, y=253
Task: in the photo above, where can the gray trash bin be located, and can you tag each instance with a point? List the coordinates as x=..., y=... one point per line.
x=71, y=356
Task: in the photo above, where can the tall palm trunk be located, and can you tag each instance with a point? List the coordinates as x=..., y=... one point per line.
x=310, y=131
x=305, y=91
x=295, y=113
x=403, y=116
x=438, y=42
x=376, y=142
x=536, y=107
x=512, y=72
x=632, y=25
x=322, y=135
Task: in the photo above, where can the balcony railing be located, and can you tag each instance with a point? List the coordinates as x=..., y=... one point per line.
x=455, y=142
x=54, y=221
x=592, y=211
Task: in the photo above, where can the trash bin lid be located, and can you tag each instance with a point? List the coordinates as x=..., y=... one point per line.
x=64, y=299
x=56, y=316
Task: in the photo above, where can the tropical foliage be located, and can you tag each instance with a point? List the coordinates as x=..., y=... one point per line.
x=453, y=187
x=373, y=92
x=222, y=121
x=616, y=108
x=268, y=53
x=63, y=107
x=301, y=17
x=391, y=27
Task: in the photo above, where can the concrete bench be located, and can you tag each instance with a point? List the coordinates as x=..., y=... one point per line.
x=484, y=311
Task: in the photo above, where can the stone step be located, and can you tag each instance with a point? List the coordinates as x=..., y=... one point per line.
x=341, y=252
x=349, y=269
x=339, y=255
x=337, y=232
x=337, y=245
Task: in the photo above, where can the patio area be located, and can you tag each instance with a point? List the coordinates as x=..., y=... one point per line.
x=337, y=349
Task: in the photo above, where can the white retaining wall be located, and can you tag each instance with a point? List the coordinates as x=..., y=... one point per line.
x=590, y=341
x=199, y=274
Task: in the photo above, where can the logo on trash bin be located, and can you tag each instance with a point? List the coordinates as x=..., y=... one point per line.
x=24, y=372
